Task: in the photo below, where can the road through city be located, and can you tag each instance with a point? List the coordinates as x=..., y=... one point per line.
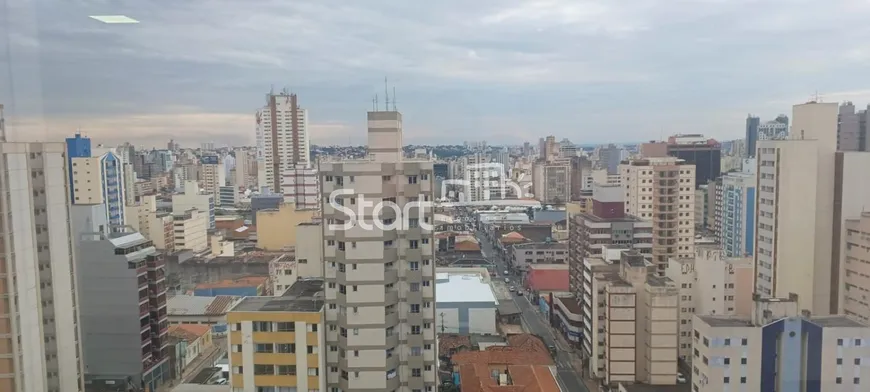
x=534, y=322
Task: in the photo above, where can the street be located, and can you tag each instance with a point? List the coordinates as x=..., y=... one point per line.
x=534, y=322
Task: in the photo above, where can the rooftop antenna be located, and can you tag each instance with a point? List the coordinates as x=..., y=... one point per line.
x=387, y=95
x=377, y=108
x=394, y=99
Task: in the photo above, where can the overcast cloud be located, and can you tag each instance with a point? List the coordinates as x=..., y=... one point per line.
x=505, y=71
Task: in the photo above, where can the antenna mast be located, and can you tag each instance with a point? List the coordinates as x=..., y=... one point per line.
x=387, y=95
x=394, y=99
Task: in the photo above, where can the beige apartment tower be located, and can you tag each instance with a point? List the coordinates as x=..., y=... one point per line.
x=794, y=225
x=662, y=190
x=380, y=295
x=39, y=330
x=856, y=274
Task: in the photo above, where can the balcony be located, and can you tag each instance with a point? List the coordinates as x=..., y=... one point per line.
x=144, y=309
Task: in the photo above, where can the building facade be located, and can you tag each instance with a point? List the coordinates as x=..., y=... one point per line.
x=795, y=201
x=40, y=341
x=380, y=281
x=662, y=190
x=283, y=141
x=299, y=187
x=856, y=269
x=737, y=228
x=277, y=343
x=124, y=317
x=779, y=348
x=97, y=179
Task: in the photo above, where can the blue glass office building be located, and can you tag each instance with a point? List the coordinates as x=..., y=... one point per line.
x=737, y=234
x=111, y=173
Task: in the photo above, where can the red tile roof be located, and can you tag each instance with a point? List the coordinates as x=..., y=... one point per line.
x=188, y=332
x=524, y=378
x=548, y=280
x=449, y=342
x=525, y=359
x=467, y=246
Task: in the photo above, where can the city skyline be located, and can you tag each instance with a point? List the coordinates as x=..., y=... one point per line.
x=503, y=70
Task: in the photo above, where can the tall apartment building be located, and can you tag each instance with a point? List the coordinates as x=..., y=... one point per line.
x=662, y=190
x=551, y=181
x=856, y=269
x=634, y=324
x=752, y=123
x=155, y=225
x=283, y=141
x=795, y=202
x=278, y=343
x=380, y=282
x=97, y=179
x=40, y=346
x=774, y=129
x=851, y=128
x=779, y=348
x=125, y=324
x=299, y=187
x=605, y=225
x=192, y=198
x=212, y=176
x=737, y=212
x=710, y=283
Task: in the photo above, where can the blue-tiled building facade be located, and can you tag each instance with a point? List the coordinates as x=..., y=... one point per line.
x=737, y=234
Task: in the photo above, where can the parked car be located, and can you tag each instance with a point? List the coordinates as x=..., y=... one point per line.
x=520, y=292
x=681, y=379
x=506, y=280
x=512, y=289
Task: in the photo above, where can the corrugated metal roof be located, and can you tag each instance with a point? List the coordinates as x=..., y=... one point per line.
x=189, y=305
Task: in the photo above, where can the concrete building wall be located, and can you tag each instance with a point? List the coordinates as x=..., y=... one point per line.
x=466, y=318
x=309, y=250
x=382, y=265
x=39, y=334
x=276, y=229
x=856, y=268
x=787, y=231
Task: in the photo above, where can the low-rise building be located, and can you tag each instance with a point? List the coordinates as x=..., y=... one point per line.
x=243, y=287
x=278, y=342
x=524, y=364
x=779, y=347
x=211, y=311
x=538, y=253
x=465, y=304
x=197, y=339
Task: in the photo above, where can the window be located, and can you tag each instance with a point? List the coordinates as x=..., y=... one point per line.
x=286, y=348
x=416, y=351
x=743, y=380
x=839, y=380
x=264, y=370
x=412, y=179
x=286, y=370
x=743, y=361
x=415, y=330
x=727, y=380
x=856, y=381
x=286, y=327
x=312, y=350
x=415, y=308
x=414, y=265
x=858, y=361
x=727, y=361
x=857, y=342
x=839, y=342
x=262, y=326
x=313, y=371
x=414, y=244
x=415, y=287
x=263, y=348
x=416, y=372
x=727, y=342
x=744, y=342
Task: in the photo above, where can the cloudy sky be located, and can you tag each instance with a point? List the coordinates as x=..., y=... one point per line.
x=504, y=71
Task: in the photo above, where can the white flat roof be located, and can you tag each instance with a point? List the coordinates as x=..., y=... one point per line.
x=462, y=288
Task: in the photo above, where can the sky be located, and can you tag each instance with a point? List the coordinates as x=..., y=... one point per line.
x=504, y=71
